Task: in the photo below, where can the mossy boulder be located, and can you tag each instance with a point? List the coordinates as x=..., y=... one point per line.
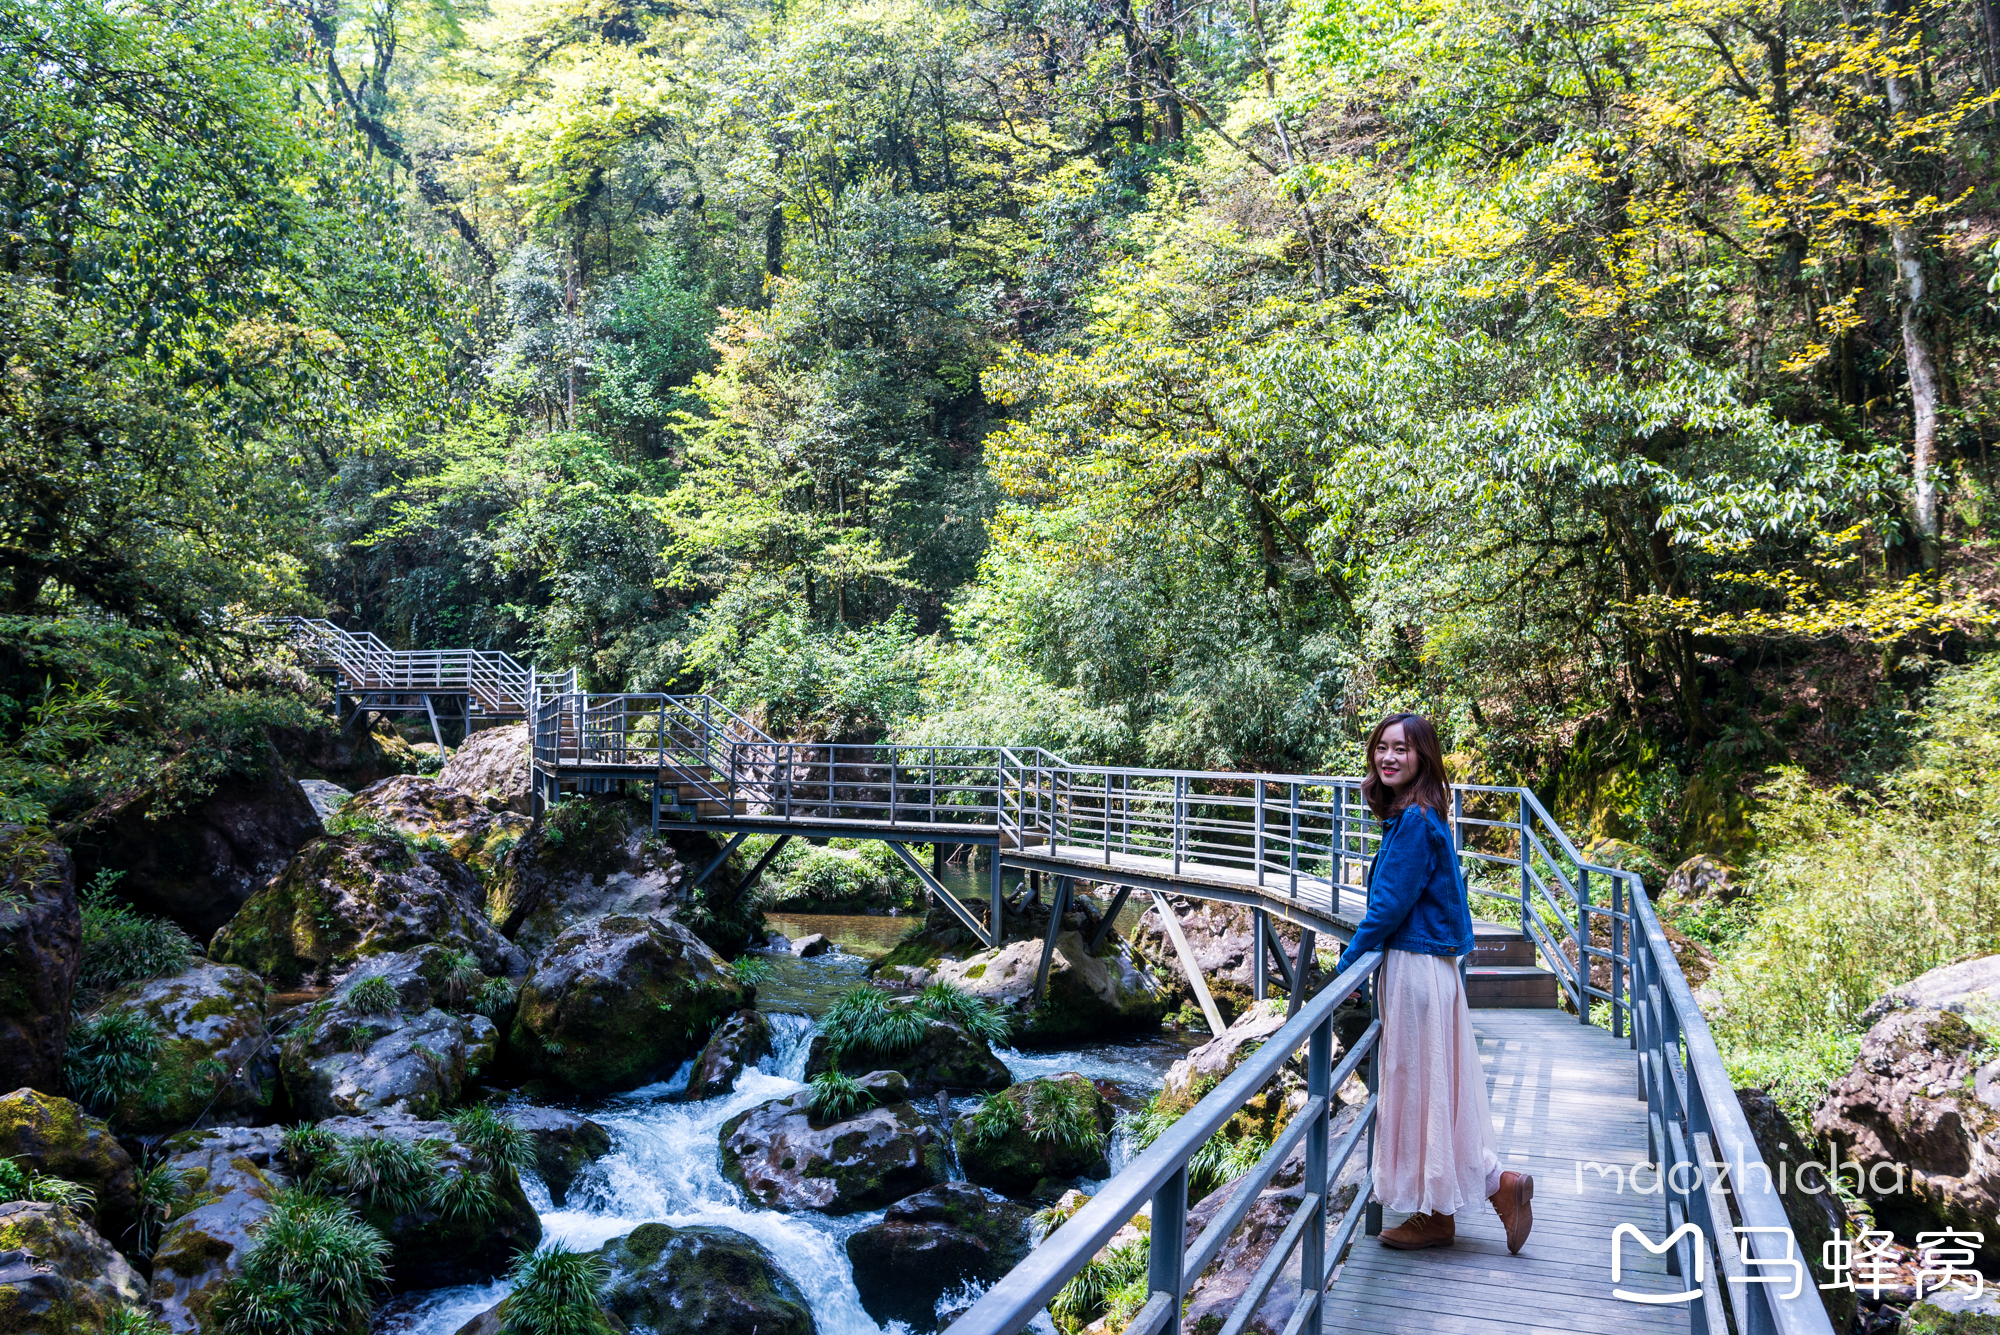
x=620, y=1000
x=700, y=1281
x=1626, y=856
x=416, y=1055
x=933, y=1243
x=58, y=1276
x=228, y=1177
x=56, y=1138
x=743, y=1040
x=565, y=1144
x=785, y=1160
x=214, y=1064
x=347, y=897
x=41, y=949
x=1088, y=995
x=477, y=829
x=495, y=763
x=1032, y=1150
x=1952, y=1312
x=949, y=1057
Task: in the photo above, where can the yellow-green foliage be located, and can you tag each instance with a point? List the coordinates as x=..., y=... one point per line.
x=1857, y=893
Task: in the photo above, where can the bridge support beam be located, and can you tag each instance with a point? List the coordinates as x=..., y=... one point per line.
x=1302, y=972
x=942, y=895
x=720, y=858
x=1260, y=965
x=757, y=871
x=1188, y=965
x=995, y=905
x=1110, y=918
x=1058, y=905
x=1274, y=954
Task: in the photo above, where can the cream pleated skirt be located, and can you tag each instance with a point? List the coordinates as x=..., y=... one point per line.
x=1434, y=1148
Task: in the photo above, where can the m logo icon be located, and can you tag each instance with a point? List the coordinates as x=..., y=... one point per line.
x=1657, y=1249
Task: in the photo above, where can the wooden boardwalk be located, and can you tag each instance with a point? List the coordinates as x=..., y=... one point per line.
x=1561, y=1092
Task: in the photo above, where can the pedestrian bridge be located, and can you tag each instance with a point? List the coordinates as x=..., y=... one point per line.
x=1629, y=1073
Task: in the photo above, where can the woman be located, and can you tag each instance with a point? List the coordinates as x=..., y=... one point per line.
x=1434, y=1147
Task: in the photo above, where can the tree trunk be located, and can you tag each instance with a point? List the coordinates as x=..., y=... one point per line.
x=1923, y=395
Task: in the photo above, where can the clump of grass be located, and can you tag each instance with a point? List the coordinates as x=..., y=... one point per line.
x=132, y=1321
x=159, y=1191
x=373, y=995
x=866, y=1022
x=109, y=1056
x=308, y=1150
x=463, y=1195
x=751, y=971
x=1220, y=1159
x=987, y=1019
x=460, y=978
x=555, y=1293
x=497, y=1138
x=383, y=1170
x=1102, y=1282
x=314, y=1268
x=994, y=1119
x=121, y=945
x=836, y=1097
x=494, y=998
x=18, y=1183
x=1064, y=1113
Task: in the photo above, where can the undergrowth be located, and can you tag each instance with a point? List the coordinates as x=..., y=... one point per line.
x=121, y=945
x=868, y=1022
x=555, y=1293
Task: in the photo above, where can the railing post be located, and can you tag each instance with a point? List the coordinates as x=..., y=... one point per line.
x=1319, y=1085
x=1292, y=888
x=1260, y=962
x=1168, y=1250
x=1260, y=858
x=1521, y=830
x=1621, y=1002
x=1180, y=787
x=1339, y=841
x=1581, y=929
x=892, y=784
x=1371, y=1222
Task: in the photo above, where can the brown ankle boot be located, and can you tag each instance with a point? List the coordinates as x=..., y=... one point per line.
x=1511, y=1203
x=1421, y=1230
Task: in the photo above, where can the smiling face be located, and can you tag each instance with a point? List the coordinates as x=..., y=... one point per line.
x=1395, y=759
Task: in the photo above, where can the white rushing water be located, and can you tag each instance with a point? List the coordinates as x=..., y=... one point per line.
x=665, y=1167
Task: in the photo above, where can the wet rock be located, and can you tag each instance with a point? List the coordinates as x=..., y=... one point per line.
x=950, y=1057
x=414, y=1056
x=56, y=1138
x=1007, y=1154
x=934, y=1243
x=495, y=763
x=784, y=1160
x=57, y=1275
x=1919, y=1096
x=1953, y=1311
x=1811, y=1207
x=353, y=757
x=347, y=897
x=1220, y=938
x=743, y=1040
x=565, y=1144
x=476, y=829
x=41, y=949
x=434, y=1248
x=1087, y=995
x=1204, y=1068
x=807, y=947
x=1703, y=879
x=1970, y=987
x=228, y=1177
x=215, y=1062
x=700, y=1281
x=620, y=1000
x=198, y=866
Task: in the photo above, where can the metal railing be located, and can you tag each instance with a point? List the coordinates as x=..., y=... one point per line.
x=492, y=682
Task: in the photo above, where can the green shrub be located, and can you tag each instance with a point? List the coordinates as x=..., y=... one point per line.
x=121, y=945
x=313, y=1268
x=494, y=998
x=132, y=1321
x=751, y=971
x=495, y=1136
x=555, y=1293
x=24, y=1184
x=466, y=1194
x=307, y=1150
x=836, y=1097
x=373, y=995
x=109, y=1056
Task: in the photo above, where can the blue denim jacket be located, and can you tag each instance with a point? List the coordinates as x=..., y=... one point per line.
x=1416, y=894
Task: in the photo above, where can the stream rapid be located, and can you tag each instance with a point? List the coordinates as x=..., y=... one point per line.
x=665, y=1162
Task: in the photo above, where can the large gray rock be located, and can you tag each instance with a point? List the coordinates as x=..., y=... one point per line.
x=56, y=1138
x=700, y=1281
x=41, y=949
x=1811, y=1208
x=784, y=1160
x=417, y=1057
x=347, y=897
x=565, y=1144
x=478, y=830
x=215, y=1063
x=1970, y=987
x=327, y=798
x=495, y=763
x=228, y=1177
x=743, y=1040
x=1919, y=1095
x=948, y=1058
x=57, y=1275
x=1087, y=994
x=934, y=1243
x=1205, y=1067
x=1220, y=938
x=198, y=865
x=617, y=1001
x=1028, y=1154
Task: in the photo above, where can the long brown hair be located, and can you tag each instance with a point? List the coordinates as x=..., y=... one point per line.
x=1427, y=789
